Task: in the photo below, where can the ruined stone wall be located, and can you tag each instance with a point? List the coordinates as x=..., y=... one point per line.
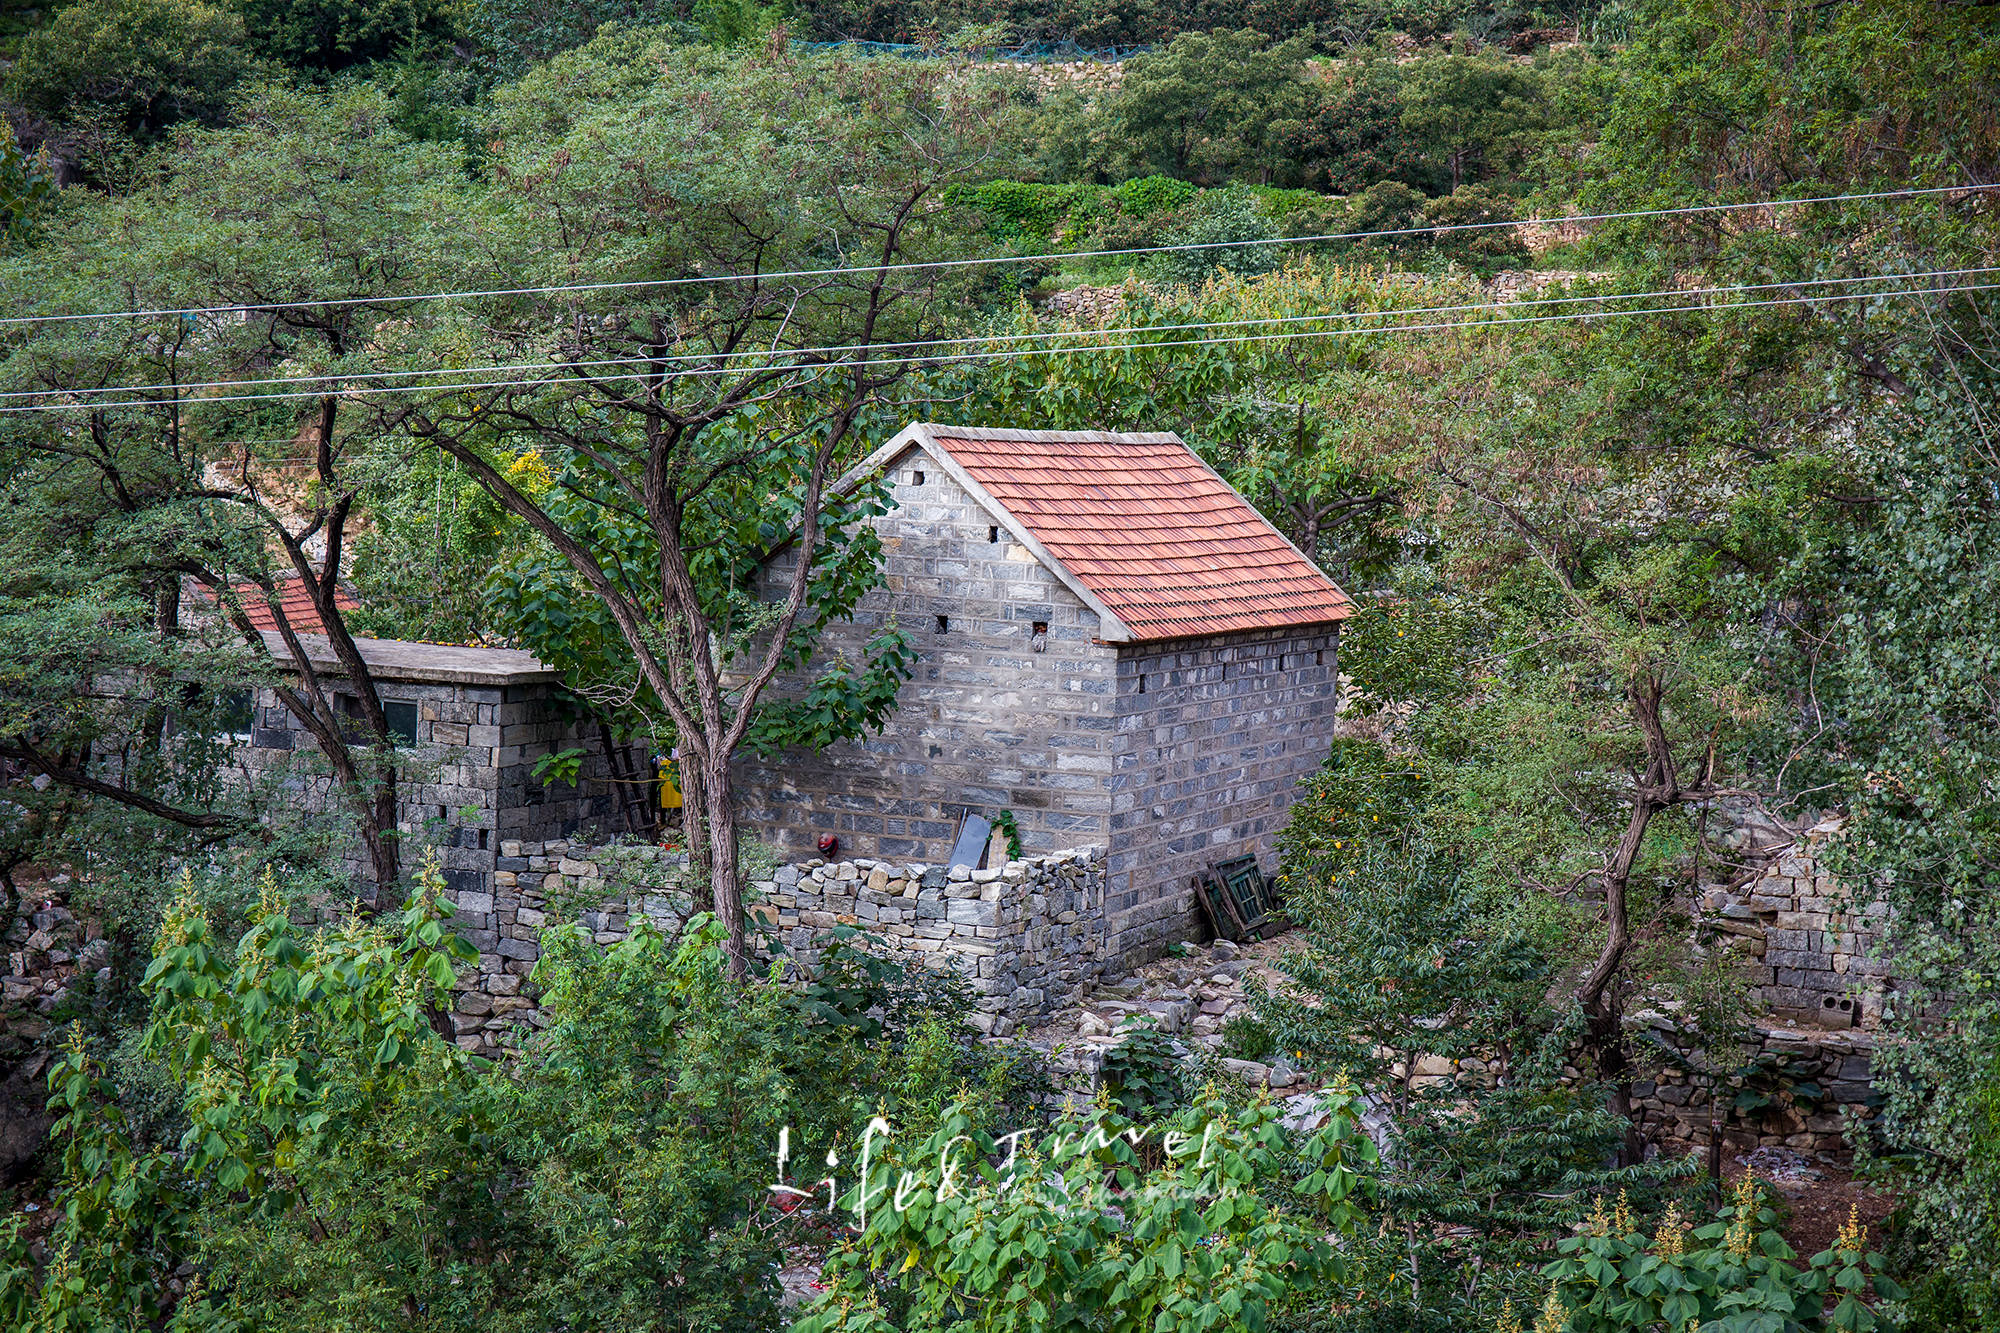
x=1811, y=940
x=1214, y=737
x=1810, y=1081
x=987, y=722
x=1027, y=936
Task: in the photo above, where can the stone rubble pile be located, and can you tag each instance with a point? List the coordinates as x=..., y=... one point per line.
x=46, y=950
x=1191, y=996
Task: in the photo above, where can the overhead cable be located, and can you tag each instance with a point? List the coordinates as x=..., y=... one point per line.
x=644, y=284
x=1288, y=335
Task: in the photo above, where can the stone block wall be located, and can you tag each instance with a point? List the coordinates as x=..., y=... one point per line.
x=1026, y=935
x=467, y=783
x=1809, y=938
x=989, y=721
x=1214, y=736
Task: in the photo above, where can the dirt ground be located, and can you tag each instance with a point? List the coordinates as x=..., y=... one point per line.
x=1819, y=1208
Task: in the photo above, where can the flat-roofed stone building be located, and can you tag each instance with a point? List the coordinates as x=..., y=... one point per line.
x=1114, y=646
x=470, y=724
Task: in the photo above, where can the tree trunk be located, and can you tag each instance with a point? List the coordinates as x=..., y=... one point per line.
x=1717, y=1119
x=1604, y=1029
x=724, y=878
x=379, y=832
x=694, y=832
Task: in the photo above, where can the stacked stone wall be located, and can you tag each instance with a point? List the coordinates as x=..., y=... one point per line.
x=1027, y=936
x=1811, y=942
x=1812, y=1081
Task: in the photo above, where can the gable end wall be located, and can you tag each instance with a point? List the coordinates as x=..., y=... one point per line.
x=986, y=722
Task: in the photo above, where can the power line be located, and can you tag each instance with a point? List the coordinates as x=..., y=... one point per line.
x=709, y=358
x=925, y=265
x=1023, y=353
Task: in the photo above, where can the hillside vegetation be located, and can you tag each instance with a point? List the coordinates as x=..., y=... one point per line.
x=1633, y=364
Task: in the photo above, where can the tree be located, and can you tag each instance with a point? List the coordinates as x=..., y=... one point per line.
x=1749, y=98
x=1211, y=107
x=1293, y=424
x=1905, y=650
x=334, y=34
x=1467, y=110
x=699, y=411
x=128, y=69
x=1352, y=135
x=238, y=502
x=26, y=187
x=1429, y=979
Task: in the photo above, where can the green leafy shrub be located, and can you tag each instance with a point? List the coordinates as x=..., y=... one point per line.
x=1142, y=1073
x=27, y=186
x=1245, y=1038
x=1218, y=219
x=136, y=66
x=1150, y=196
x=1068, y=1230
x=1485, y=250
x=1735, y=1273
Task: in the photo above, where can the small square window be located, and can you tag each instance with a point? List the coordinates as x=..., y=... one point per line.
x=402, y=719
x=237, y=714
x=944, y=624
x=916, y=479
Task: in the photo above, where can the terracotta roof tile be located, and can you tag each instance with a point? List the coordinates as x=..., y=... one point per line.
x=1150, y=530
x=297, y=602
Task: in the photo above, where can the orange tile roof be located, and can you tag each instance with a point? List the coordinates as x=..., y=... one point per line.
x=1149, y=529
x=300, y=613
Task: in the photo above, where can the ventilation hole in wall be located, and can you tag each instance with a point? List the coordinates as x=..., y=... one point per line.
x=944, y=624
x=1142, y=682
x=1319, y=658
x=1040, y=641
x=442, y=813
x=993, y=533
x=482, y=840
x=916, y=479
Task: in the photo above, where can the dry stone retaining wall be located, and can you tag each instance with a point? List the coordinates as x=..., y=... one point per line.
x=1027, y=935
x=1826, y=1079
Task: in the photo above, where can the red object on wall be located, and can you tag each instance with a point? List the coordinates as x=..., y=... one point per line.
x=829, y=845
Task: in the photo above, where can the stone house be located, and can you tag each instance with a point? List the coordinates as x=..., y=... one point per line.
x=472, y=721
x=1113, y=645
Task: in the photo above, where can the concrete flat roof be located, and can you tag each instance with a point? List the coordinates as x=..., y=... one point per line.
x=423, y=663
